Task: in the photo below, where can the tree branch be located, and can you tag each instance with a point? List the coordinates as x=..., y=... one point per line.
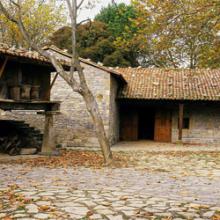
x=71, y=81
x=7, y=14
x=80, y=4
x=81, y=22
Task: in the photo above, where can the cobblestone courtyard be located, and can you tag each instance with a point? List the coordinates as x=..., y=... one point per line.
x=156, y=186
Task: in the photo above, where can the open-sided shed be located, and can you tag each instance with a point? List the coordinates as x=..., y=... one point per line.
x=25, y=84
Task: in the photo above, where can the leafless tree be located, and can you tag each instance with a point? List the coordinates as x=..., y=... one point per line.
x=80, y=86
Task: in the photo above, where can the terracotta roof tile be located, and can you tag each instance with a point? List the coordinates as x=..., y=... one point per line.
x=85, y=61
x=171, y=84
x=64, y=59
x=24, y=53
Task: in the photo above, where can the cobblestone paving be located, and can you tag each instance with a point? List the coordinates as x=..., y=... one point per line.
x=158, y=187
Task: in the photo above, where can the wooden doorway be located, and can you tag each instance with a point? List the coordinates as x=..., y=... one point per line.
x=129, y=126
x=163, y=126
x=146, y=121
x=137, y=124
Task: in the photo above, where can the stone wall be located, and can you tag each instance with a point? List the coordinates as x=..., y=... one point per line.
x=74, y=126
x=204, y=124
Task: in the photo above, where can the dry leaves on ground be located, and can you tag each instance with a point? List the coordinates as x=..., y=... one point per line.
x=216, y=216
x=9, y=199
x=94, y=159
x=70, y=158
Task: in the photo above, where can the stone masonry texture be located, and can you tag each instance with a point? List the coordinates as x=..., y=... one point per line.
x=74, y=127
x=204, y=124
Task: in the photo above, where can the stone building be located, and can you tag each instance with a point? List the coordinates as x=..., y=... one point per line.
x=142, y=104
x=137, y=104
x=74, y=126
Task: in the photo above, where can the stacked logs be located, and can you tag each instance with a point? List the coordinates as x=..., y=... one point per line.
x=10, y=144
x=17, y=137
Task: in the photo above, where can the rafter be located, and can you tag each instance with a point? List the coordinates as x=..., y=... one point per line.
x=2, y=68
x=54, y=80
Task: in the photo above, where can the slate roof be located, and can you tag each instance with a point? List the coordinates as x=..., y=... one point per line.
x=173, y=84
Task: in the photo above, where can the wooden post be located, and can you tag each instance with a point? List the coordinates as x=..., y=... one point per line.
x=3, y=67
x=54, y=80
x=181, y=109
x=48, y=140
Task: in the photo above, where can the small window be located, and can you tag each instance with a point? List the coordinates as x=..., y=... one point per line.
x=185, y=123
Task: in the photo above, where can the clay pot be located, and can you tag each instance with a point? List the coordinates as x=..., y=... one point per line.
x=25, y=92
x=35, y=92
x=15, y=92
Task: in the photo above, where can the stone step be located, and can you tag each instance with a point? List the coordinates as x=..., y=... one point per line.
x=32, y=134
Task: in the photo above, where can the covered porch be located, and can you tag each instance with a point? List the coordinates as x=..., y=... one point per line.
x=166, y=121
x=150, y=120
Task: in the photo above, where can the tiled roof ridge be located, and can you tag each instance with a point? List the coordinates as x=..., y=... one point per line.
x=83, y=60
x=140, y=68
x=30, y=54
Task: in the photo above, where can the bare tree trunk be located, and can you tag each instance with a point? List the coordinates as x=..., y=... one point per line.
x=92, y=108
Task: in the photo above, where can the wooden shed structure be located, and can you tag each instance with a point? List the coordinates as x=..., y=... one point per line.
x=25, y=84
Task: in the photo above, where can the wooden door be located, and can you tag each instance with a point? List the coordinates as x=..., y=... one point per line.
x=163, y=125
x=129, y=126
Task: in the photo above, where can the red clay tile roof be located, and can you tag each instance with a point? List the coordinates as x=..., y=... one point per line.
x=163, y=84
x=86, y=61
x=35, y=56
x=23, y=53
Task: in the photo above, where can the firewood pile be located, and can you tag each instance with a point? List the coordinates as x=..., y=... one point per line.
x=10, y=144
x=17, y=137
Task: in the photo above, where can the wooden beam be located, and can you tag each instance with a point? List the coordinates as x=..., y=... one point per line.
x=54, y=80
x=3, y=67
x=181, y=112
x=8, y=105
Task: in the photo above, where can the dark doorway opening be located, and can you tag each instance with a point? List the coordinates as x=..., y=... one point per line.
x=146, y=122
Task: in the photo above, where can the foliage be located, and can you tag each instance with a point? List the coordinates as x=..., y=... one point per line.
x=62, y=37
x=40, y=20
x=117, y=17
x=177, y=33
x=94, y=41
x=98, y=39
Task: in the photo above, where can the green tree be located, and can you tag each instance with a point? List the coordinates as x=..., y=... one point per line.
x=97, y=40
x=62, y=38
x=94, y=41
x=179, y=33
x=40, y=18
x=118, y=18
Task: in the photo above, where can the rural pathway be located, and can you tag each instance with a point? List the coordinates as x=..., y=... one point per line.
x=165, y=186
